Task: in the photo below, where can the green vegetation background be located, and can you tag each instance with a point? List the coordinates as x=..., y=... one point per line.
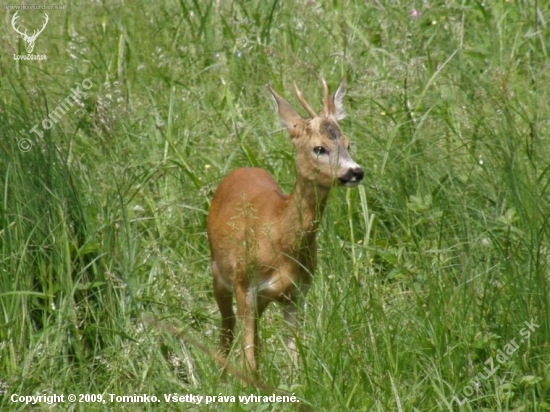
x=426, y=271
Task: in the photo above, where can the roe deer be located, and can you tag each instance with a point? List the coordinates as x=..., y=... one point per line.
x=262, y=241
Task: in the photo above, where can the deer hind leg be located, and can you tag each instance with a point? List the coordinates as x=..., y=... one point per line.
x=224, y=299
x=246, y=313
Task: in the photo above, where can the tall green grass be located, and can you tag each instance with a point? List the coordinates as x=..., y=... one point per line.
x=425, y=271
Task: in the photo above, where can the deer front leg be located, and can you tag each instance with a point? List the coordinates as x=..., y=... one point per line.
x=246, y=314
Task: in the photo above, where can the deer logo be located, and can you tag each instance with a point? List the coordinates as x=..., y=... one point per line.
x=29, y=40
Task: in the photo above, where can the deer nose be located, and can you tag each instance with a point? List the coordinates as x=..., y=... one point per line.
x=357, y=174
x=352, y=177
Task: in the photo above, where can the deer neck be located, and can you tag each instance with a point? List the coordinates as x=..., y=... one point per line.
x=305, y=209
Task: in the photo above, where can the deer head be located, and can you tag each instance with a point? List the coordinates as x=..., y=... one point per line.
x=322, y=150
x=29, y=40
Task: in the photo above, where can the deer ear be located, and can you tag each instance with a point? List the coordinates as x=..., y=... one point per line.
x=290, y=118
x=338, y=101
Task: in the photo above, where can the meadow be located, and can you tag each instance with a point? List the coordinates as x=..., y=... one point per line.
x=432, y=289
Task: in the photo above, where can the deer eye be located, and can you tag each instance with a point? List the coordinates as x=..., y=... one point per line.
x=319, y=150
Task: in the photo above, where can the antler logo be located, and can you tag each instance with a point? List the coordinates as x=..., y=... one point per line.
x=29, y=40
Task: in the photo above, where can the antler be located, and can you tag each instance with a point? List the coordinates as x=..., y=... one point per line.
x=25, y=35
x=328, y=103
x=303, y=102
x=37, y=32
x=15, y=28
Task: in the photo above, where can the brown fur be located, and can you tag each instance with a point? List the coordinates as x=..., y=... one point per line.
x=263, y=241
